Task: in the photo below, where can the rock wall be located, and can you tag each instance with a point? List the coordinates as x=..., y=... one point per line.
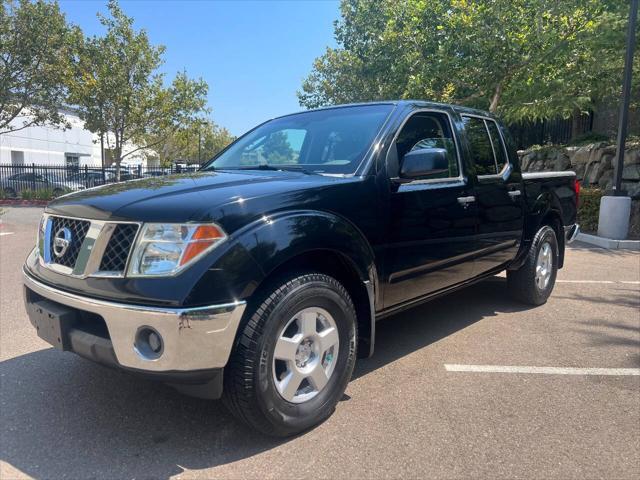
x=592, y=163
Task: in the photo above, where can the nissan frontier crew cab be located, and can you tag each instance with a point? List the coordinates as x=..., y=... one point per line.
x=259, y=279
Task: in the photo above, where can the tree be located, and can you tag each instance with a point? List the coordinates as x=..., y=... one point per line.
x=525, y=59
x=36, y=51
x=276, y=149
x=121, y=95
x=182, y=144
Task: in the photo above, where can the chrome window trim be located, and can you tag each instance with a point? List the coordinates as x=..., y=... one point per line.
x=91, y=250
x=446, y=180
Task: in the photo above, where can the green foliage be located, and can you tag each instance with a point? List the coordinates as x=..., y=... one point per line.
x=27, y=194
x=38, y=194
x=121, y=94
x=36, y=48
x=277, y=150
x=589, y=209
x=524, y=59
x=589, y=137
x=182, y=144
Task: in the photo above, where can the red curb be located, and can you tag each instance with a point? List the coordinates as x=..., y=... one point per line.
x=15, y=202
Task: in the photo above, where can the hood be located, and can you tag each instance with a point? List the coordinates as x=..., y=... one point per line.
x=201, y=196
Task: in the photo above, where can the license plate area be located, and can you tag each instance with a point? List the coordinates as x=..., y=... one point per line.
x=52, y=322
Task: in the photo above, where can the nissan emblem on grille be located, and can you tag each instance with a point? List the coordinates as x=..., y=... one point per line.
x=61, y=241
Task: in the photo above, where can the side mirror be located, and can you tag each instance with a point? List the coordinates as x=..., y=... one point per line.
x=424, y=162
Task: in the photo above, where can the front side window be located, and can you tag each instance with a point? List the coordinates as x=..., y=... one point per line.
x=332, y=141
x=429, y=130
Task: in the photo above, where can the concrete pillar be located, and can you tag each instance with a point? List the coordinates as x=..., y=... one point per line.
x=614, y=217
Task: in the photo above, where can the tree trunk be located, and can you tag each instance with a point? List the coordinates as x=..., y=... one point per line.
x=575, y=123
x=495, y=100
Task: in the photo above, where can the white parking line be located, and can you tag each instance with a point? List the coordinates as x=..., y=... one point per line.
x=628, y=282
x=541, y=370
x=5, y=233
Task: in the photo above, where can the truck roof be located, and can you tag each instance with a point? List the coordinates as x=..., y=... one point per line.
x=419, y=103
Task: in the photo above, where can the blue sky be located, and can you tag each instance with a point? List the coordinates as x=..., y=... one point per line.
x=253, y=54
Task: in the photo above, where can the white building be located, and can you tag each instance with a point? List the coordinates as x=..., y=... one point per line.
x=46, y=145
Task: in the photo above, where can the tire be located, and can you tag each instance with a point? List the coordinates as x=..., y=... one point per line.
x=9, y=192
x=57, y=192
x=525, y=284
x=254, y=373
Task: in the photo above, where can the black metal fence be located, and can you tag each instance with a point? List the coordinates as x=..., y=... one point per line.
x=556, y=131
x=40, y=180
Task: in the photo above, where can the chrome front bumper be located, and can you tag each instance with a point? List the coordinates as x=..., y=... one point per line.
x=194, y=338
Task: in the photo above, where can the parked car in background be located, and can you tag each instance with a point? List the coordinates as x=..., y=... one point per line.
x=14, y=184
x=92, y=178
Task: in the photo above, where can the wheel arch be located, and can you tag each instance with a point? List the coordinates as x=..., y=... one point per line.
x=307, y=241
x=544, y=210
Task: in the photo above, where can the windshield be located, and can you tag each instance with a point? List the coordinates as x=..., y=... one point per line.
x=332, y=141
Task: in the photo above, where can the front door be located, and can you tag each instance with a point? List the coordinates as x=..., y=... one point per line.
x=433, y=221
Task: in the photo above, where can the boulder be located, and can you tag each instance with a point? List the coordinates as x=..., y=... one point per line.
x=631, y=172
x=580, y=170
x=561, y=162
x=606, y=179
x=594, y=171
x=632, y=156
x=597, y=152
x=607, y=159
x=527, y=160
x=581, y=156
x=632, y=189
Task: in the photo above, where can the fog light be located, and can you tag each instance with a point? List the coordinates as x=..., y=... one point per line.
x=149, y=343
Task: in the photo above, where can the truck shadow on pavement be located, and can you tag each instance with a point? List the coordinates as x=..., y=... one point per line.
x=64, y=416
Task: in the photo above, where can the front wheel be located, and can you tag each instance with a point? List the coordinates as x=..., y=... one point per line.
x=533, y=282
x=293, y=356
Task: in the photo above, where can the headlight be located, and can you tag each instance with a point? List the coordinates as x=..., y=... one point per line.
x=164, y=249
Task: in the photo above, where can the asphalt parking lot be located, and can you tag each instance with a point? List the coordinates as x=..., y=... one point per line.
x=429, y=404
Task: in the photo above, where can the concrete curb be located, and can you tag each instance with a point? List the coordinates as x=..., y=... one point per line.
x=609, y=242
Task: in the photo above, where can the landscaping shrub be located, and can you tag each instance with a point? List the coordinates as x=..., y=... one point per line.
x=27, y=194
x=589, y=137
x=44, y=194
x=589, y=209
x=40, y=194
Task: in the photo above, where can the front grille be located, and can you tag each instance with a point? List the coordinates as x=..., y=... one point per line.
x=117, y=251
x=78, y=230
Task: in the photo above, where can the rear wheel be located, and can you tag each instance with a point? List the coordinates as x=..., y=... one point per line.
x=293, y=356
x=9, y=192
x=57, y=192
x=533, y=282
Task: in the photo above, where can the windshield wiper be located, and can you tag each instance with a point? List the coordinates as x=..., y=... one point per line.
x=274, y=168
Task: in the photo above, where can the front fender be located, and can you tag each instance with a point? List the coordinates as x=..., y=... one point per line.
x=279, y=238
x=255, y=251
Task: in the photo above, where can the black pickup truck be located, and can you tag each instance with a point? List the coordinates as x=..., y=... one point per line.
x=260, y=278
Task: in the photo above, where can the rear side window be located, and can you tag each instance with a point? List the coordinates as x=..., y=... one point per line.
x=480, y=144
x=498, y=146
x=487, y=148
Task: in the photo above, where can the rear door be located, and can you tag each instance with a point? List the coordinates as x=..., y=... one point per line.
x=432, y=221
x=498, y=192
